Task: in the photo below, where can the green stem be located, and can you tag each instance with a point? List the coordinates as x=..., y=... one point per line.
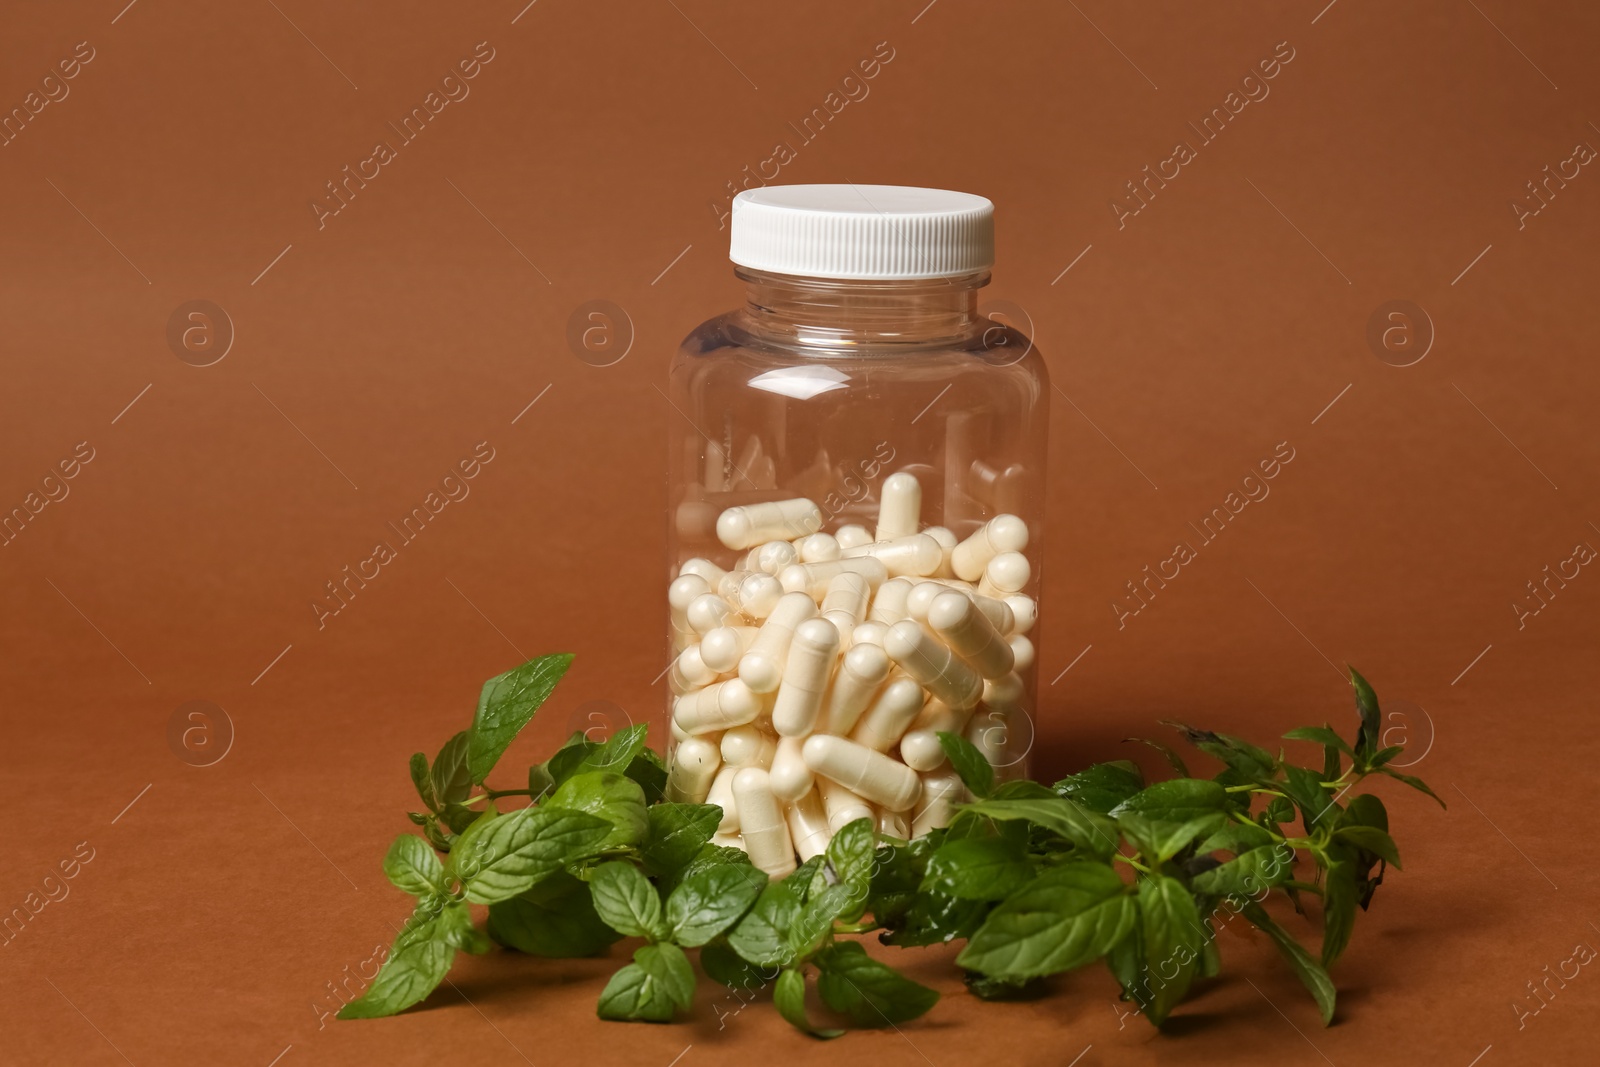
x=1130, y=861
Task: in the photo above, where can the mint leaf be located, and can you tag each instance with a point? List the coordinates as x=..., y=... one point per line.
x=1173, y=940
x=626, y=900
x=610, y=796
x=1340, y=894
x=852, y=854
x=1064, y=918
x=1102, y=786
x=507, y=704
x=412, y=866
x=1306, y=968
x=1086, y=830
x=762, y=936
x=1259, y=862
x=869, y=992
x=1371, y=716
x=500, y=857
x=677, y=832
x=414, y=967
x=421, y=778
x=1173, y=759
x=450, y=780
x=722, y=964
x=556, y=918
x=1167, y=817
x=1256, y=764
x=789, y=997
x=1322, y=735
x=1413, y=782
x=1305, y=788
x=669, y=967
x=653, y=988
x=1370, y=838
x=976, y=772
x=1159, y=840
x=617, y=752
x=979, y=868
x=708, y=902
x=457, y=931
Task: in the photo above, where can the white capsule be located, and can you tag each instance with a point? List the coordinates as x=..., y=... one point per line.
x=1003, y=533
x=750, y=524
x=919, y=748
x=890, y=715
x=761, y=823
x=721, y=648
x=678, y=734
x=694, y=765
x=940, y=793
x=716, y=707
x=915, y=555
x=680, y=594
x=757, y=594
x=773, y=556
x=1024, y=612
x=969, y=634
x=947, y=542
x=868, y=633
x=893, y=824
x=930, y=662
x=1021, y=653
x=816, y=548
x=705, y=569
x=1006, y=574
x=721, y=794
x=889, y=602
x=845, y=603
x=852, y=535
x=808, y=826
x=689, y=672
x=989, y=731
x=762, y=666
x=899, y=507
x=805, y=677
x=1006, y=692
x=813, y=578
x=747, y=746
x=842, y=806
x=729, y=839
x=870, y=775
x=861, y=671
x=789, y=777
x=921, y=598
x=707, y=612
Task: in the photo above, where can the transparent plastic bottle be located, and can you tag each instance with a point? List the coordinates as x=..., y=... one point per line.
x=860, y=437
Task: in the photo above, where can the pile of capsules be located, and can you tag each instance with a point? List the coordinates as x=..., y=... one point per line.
x=811, y=682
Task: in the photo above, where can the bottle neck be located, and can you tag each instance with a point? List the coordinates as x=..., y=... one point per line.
x=844, y=315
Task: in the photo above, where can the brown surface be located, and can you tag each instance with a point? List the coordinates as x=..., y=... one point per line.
x=216, y=908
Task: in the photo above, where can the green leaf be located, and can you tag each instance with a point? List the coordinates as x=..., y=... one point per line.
x=708, y=902
x=1371, y=839
x=722, y=964
x=458, y=816
x=985, y=988
x=1159, y=840
x=1340, y=895
x=1102, y=786
x=1384, y=756
x=1254, y=763
x=450, y=780
x=677, y=832
x=503, y=856
x=822, y=908
x=412, y=865
x=1371, y=716
x=1306, y=968
x=650, y=771
x=762, y=936
x=1413, y=782
x=1064, y=918
x=422, y=778
x=507, y=704
x=1364, y=809
x=852, y=854
x=870, y=993
x=555, y=919
x=1165, y=818
x=1259, y=862
x=935, y=919
x=1092, y=833
x=1321, y=735
x=610, y=796
x=457, y=930
x=414, y=967
x=1174, y=760
x=617, y=752
x=1305, y=788
x=625, y=900
x=1173, y=941
x=789, y=996
x=976, y=772
x=657, y=985
x=978, y=868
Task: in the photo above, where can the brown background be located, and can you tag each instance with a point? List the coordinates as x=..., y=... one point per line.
x=376, y=351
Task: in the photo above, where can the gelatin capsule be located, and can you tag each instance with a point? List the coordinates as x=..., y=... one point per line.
x=808, y=826
x=789, y=777
x=705, y=569
x=867, y=633
x=813, y=578
x=721, y=648
x=870, y=775
x=1024, y=612
x=773, y=556
x=805, y=677
x=680, y=594
x=916, y=555
x=761, y=823
x=933, y=664
x=689, y=672
x=816, y=548
x=762, y=666
x=1003, y=533
x=899, y=507
x=845, y=603
x=890, y=715
x=747, y=746
x=1005, y=692
x=861, y=671
x=694, y=765
x=721, y=794
x=716, y=707
x=967, y=631
x=756, y=595
x=940, y=793
x=842, y=806
x=852, y=535
x=1021, y=653
x=750, y=524
x=889, y=602
x=893, y=824
x=919, y=748
x=1006, y=574
x=947, y=543
x=707, y=612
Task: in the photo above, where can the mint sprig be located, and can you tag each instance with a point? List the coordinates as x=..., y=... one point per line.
x=1035, y=879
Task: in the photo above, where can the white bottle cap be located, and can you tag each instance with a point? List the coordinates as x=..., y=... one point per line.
x=889, y=232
